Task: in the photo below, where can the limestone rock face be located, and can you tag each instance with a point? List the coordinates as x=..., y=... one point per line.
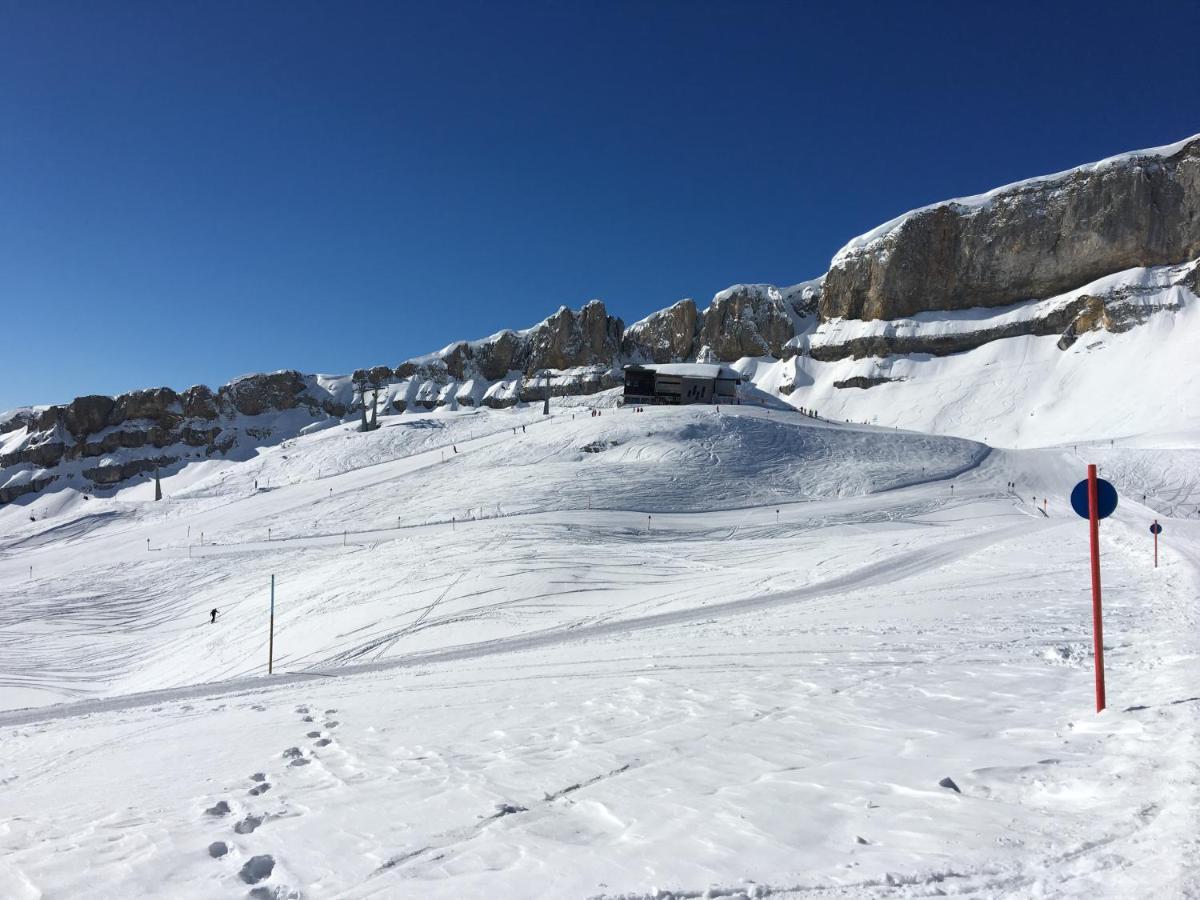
x=565, y=340
x=158, y=404
x=882, y=345
x=255, y=394
x=109, y=475
x=86, y=415
x=496, y=356
x=664, y=337
x=1035, y=239
x=747, y=320
x=198, y=402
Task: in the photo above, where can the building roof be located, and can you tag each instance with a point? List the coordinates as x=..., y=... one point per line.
x=693, y=370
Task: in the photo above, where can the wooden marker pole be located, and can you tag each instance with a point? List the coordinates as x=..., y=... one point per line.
x=271, y=638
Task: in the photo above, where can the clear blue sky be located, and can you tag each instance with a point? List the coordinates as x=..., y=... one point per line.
x=194, y=190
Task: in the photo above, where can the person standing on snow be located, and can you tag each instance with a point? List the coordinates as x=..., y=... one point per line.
x=213, y=621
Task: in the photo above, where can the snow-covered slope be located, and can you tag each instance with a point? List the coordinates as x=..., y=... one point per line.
x=154, y=567
x=1122, y=368
x=599, y=654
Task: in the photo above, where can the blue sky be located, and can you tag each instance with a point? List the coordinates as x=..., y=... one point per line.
x=192, y=191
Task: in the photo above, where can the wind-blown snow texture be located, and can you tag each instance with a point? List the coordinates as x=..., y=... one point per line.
x=626, y=655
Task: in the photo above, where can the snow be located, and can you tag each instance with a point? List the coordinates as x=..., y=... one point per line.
x=1019, y=391
x=686, y=652
x=871, y=239
x=693, y=370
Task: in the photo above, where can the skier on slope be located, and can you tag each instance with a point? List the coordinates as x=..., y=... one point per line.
x=213, y=620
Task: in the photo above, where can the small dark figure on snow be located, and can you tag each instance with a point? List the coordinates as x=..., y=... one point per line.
x=213, y=621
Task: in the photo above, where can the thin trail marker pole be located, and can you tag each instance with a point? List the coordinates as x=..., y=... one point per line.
x=1097, y=623
x=271, y=639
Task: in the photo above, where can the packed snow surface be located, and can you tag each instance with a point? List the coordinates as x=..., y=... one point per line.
x=690, y=652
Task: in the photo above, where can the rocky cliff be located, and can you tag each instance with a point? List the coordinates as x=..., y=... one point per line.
x=1029, y=240
x=1057, y=256
x=107, y=440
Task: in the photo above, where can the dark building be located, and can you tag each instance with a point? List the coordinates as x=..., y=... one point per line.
x=679, y=383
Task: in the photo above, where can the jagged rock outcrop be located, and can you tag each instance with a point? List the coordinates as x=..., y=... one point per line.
x=1035, y=239
x=748, y=320
x=666, y=336
x=86, y=415
x=112, y=430
x=198, y=402
x=565, y=340
x=255, y=394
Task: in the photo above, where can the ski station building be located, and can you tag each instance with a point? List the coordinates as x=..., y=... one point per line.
x=680, y=383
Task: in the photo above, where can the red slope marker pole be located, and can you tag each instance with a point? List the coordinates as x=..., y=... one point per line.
x=1097, y=624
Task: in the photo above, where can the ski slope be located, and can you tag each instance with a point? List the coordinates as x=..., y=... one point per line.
x=687, y=652
x=1134, y=385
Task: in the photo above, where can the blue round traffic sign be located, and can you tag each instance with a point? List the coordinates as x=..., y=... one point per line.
x=1156, y=528
x=1106, y=498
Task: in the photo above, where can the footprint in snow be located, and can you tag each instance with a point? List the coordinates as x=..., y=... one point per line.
x=323, y=742
x=291, y=753
x=313, y=734
x=248, y=825
x=307, y=719
x=299, y=762
x=217, y=849
x=259, y=789
x=332, y=724
x=330, y=712
x=257, y=868
x=258, y=776
x=221, y=808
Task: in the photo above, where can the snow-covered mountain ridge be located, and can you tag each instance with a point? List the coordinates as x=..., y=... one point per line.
x=1100, y=250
